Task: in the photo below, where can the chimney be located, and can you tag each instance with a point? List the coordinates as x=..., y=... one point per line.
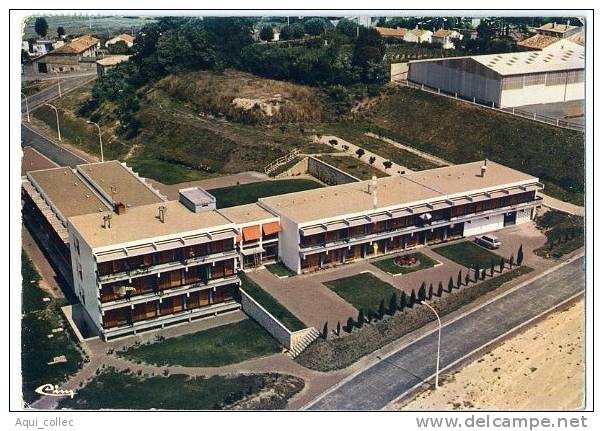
x=162, y=212
x=484, y=168
x=120, y=208
x=107, y=221
x=372, y=190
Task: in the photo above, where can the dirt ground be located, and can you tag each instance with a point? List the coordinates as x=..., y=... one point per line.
x=541, y=368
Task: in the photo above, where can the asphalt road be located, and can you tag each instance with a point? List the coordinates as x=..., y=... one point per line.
x=395, y=375
x=54, y=152
x=52, y=92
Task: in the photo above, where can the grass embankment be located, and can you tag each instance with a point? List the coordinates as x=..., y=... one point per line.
x=118, y=390
x=364, y=291
x=564, y=233
x=249, y=193
x=388, y=265
x=271, y=304
x=32, y=87
x=353, y=166
x=39, y=320
x=341, y=352
x=469, y=254
x=214, y=347
x=280, y=270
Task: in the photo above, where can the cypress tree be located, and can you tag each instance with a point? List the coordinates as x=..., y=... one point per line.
x=430, y=293
x=467, y=279
x=450, y=285
x=483, y=274
x=338, y=328
x=459, y=279
x=413, y=299
x=325, y=330
x=520, y=254
x=477, y=273
x=492, y=269
x=360, y=320
x=422, y=294
x=403, y=301
x=511, y=261
x=393, y=304
x=381, y=309
x=350, y=324
x=501, y=265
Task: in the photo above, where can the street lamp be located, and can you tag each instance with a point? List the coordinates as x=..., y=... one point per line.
x=439, y=339
x=56, y=111
x=100, y=139
x=59, y=82
x=26, y=106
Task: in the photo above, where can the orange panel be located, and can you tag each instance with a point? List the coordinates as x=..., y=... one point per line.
x=270, y=228
x=251, y=233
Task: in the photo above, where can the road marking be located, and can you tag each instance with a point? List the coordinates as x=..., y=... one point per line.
x=460, y=316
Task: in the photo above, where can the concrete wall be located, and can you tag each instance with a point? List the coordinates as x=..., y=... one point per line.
x=438, y=74
x=535, y=94
x=328, y=174
x=482, y=225
x=398, y=71
x=288, y=245
x=523, y=216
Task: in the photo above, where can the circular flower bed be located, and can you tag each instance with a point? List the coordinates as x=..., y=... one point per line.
x=406, y=261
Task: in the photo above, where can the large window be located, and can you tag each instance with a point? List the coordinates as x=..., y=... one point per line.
x=535, y=79
x=556, y=78
x=512, y=82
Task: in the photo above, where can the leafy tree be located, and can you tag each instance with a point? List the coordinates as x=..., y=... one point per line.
x=413, y=299
x=520, y=255
x=347, y=27
x=430, y=292
x=403, y=301
x=360, y=152
x=450, y=285
x=41, y=26
x=381, y=309
x=267, y=33
x=315, y=26
x=293, y=31
x=119, y=48
x=60, y=31
x=387, y=164
x=459, y=279
x=393, y=304
x=360, y=320
x=325, y=330
x=372, y=159
x=350, y=325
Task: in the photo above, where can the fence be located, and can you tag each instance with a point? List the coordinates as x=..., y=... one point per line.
x=557, y=122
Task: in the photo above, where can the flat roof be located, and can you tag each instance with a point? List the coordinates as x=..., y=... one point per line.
x=246, y=213
x=197, y=196
x=142, y=223
x=69, y=195
x=119, y=183
x=395, y=191
x=33, y=160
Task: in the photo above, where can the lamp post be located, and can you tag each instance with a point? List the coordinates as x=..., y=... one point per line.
x=100, y=139
x=59, y=82
x=439, y=339
x=56, y=111
x=26, y=106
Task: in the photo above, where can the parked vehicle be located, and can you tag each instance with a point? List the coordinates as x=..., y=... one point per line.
x=488, y=241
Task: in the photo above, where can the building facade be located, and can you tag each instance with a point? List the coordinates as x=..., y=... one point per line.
x=76, y=55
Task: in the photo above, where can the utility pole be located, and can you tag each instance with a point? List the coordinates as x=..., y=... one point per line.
x=26, y=106
x=56, y=111
x=439, y=340
x=59, y=83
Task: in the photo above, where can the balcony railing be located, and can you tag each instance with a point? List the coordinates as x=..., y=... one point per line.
x=167, y=293
x=176, y=264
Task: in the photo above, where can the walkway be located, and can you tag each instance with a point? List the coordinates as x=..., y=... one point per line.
x=426, y=156
x=560, y=205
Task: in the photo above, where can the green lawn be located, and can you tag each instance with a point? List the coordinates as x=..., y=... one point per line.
x=364, y=291
x=215, y=347
x=165, y=172
x=39, y=319
x=280, y=270
x=271, y=304
x=249, y=193
x=114, y=390
x=353, y=166
x=468, y=254
x=389, y=266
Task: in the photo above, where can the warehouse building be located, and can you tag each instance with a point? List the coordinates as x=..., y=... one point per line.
x=507, y=80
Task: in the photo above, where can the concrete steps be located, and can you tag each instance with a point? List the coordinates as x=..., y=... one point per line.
x=308, y=339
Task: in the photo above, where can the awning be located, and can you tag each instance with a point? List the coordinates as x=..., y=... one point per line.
x=251, y=233
x=252, y=251
x=336, y=226
x=271, y=228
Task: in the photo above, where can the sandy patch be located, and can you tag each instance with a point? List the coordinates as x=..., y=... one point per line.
x=541, y=368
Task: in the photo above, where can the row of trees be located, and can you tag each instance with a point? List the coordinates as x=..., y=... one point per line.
x=41, y=28
x=424, y=293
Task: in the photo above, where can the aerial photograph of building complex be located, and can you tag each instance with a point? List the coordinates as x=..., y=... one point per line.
x=357, y=211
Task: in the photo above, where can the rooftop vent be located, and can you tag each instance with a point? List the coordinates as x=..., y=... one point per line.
x=120, y=208
x=484, y=168
x=162, y=213
x=197, y=200
x=107, y=221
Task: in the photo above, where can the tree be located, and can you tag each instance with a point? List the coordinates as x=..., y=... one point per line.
x=511, y=261
x=459, y=279
x=467, y=279
x=413, y=299
x=387, y=164
x=60, y=31
x=267, y=33
x=360, y=152
x=119, y=48
x=315, y=26
x=360, y=320
x=440, y=290
x=393, y=304
x=430, y=292
x=403, y=301
x=477, y=270
x=372, y=159
x=422, y=294
x=520, y=255
x=41, y=26
x=338, y=330
x=325, y=330
x=450, y=285
x=347, y=27
x=294, y=31
x=24, y=56
x=501, y=265
x=350, y=325
x=483, y=274
x=492, y=269
x=381, y=309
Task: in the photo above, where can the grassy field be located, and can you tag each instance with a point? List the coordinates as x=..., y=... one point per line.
x=363, y=291
x=353, y=166
x=468, y=254
x=214, y=347
x=271, y=304
x=249, y=193
x=118, y=390
x=166, y=172
x=78, y=24
x=564, y=233
x=280, y=270
x=31, y=87
x=39, y=319
x=389, y=266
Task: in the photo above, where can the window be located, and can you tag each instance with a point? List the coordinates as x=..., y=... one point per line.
x=512, y=83
x=535, y=79
x=575, y=76
x=556, y=78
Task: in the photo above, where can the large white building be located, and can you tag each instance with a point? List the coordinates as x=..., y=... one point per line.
x=507, y=80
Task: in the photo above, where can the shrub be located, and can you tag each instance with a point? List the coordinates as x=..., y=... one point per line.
x=372, y=159
x=360, y=152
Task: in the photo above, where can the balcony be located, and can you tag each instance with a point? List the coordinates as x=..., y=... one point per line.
x=167, y=293
x=177, y=264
